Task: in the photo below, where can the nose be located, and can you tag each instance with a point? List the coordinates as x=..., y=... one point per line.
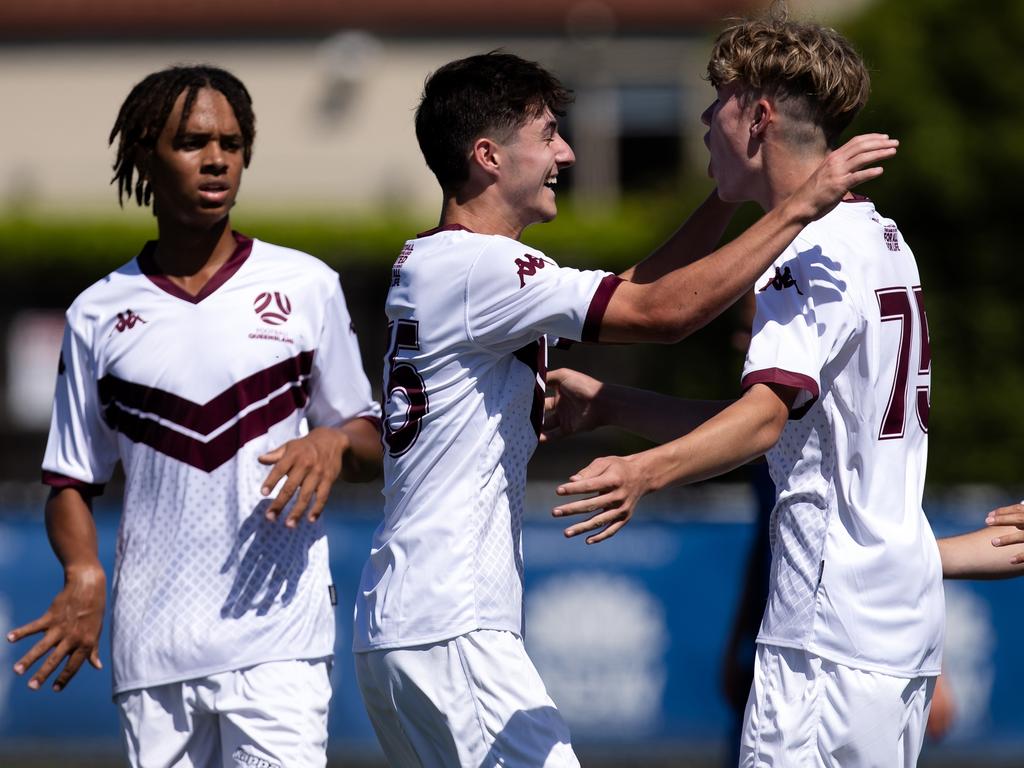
x=564, y=156
x=213, y=157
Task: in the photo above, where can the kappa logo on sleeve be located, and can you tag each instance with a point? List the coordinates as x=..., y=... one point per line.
x=528, y=266
x=783, y=279
x=126, y=321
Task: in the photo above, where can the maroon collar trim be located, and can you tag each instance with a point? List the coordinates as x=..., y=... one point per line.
x=855, y=198
x=148, y=267
x=445, y=228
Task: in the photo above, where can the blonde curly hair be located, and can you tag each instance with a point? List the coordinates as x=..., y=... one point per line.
x=811, y=71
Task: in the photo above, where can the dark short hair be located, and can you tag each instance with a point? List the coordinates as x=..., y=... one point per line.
x=492, y=92
x=144, y=113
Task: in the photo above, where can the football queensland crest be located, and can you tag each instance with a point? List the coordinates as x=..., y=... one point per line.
x=273, y=308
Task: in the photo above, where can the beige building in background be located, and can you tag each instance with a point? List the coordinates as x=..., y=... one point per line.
x=335, y=87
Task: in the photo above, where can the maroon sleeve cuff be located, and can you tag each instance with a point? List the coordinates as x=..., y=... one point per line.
x=598, y=305
x=59, y=482
x=786, y=379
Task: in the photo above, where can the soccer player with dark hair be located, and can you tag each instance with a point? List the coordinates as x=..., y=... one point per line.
x=438, y=638
x=836, y=393
x=198, y=365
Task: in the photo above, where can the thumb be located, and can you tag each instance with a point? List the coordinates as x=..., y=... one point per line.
x=272, y=457
x=94, y=659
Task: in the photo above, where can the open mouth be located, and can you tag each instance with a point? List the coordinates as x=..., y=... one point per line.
x=551, y=183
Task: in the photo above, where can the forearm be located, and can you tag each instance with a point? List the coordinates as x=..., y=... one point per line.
x=362, y=457
x=651, y=415
x=739, y=433
x=72, y=532
x=972, y=555
x=696, y=238
x=684, y=300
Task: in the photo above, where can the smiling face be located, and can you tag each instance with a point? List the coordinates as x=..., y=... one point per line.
x=733, y=161
x=535, y=154
x=195, y=169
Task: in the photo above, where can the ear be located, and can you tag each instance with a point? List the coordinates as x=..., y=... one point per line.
x=762, y=115
x=487, y=155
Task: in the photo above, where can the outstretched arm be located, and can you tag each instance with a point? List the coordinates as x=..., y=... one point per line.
x=685, y=299
x=578, y=403
x=741, y=432
x=312, y=463
x=72, y=624
x=696, y=238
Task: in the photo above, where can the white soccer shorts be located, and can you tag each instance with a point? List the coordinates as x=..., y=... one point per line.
x=804, y=711
x=475, y=700
x=272, y=715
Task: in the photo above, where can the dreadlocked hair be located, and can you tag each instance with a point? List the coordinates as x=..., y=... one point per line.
x=144, y=113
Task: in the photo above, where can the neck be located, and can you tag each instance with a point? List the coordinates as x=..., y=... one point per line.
x=785, y=171
x=190, y=257
x=481, y=213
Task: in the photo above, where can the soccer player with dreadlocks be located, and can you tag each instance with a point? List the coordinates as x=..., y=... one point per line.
x=196, y=365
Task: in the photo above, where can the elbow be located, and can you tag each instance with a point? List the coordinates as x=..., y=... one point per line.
x=670, y=326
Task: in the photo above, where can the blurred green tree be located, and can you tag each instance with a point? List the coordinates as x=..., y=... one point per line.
x=948, y=81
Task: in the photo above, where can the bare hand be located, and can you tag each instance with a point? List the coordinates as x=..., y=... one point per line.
x=843, y=169
x=71, y=629
x=1013, y=515
x=569, y=404
x=618, y=481
x=311, y=465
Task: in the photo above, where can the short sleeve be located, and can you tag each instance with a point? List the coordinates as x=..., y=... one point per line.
x=340, y=390
x=804, y=317
x=81, y=450
x=515, y=294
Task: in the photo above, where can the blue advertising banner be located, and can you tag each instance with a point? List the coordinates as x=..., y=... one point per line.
x=628, y=636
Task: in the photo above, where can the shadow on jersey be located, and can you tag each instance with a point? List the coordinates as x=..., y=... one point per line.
x=271, y=566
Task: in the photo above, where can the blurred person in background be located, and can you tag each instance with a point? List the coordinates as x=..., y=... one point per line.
x=836, y=393
x=196, y=365
x=438, y=630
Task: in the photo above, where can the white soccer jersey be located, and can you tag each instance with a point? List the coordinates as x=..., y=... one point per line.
x=464, y=378
x=186, y=393
x=856, y=576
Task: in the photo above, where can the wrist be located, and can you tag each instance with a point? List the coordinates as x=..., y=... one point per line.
x=86, y=570
x=798, y=210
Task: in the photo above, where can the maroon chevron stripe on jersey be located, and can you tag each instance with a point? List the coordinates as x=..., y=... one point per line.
x=142, y=413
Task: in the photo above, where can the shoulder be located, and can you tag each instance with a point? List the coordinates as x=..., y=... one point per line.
x=110, y=291
x=283, y=258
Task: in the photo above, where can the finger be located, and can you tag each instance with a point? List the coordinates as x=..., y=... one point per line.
x=584, y=485
x=279, y=470
x=75, y=662
x=283, y=497
x=272, y=457
x=305, y=495
x=607, y=533
x=94, y=658
x=39, y=625
x=44, y=644
x=600, y=520
x=323, y=491
x=586, y=506
x=1008, y=538
x=48, y=666
x=1010, y=515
